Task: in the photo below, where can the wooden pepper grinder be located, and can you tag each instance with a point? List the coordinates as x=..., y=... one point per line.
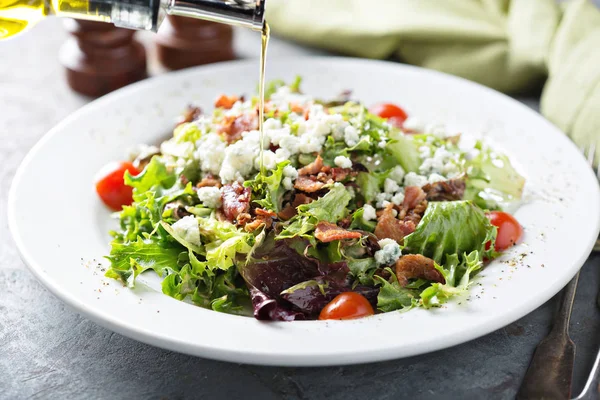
x=100, y=57
x=184, y=42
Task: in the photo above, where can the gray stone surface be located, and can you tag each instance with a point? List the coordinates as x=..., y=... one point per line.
x=48, y=351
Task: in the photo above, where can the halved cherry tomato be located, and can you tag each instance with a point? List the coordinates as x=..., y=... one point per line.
x=509, y=230
x=111, y=187
x=347, y=305
x=394, y=114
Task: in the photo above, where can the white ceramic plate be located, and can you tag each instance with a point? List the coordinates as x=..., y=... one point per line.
x=61, y=227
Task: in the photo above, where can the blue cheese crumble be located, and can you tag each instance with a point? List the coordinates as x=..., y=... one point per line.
x=390, y=252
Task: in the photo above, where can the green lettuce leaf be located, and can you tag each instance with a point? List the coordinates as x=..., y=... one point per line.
x=130, y=259
x=223, y=242
x=268, y=191
x=492, y=182
x=404, y=151
x=358, y=222
x=458, y=276
x=393, y=297
x=155, y=174
x=330, y=208
x=370, y=185
x=451, y=227
x=187, y=132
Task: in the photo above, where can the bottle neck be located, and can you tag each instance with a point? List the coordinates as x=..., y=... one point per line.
x=149, y=14
x=246, y=14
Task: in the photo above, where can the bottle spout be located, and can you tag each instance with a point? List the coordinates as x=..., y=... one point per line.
x=243, y=13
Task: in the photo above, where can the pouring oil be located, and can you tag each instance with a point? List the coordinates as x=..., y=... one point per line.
x=261, y=92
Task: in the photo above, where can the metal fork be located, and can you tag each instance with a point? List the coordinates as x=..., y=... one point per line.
x=551, y=370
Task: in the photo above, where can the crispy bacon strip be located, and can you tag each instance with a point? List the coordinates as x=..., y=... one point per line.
x=207, y=181
x=225, y=101
x=263, y=217
x=413, y=195
x=236, y=201
x=390, y=227
x=291, y=209
x=327, y=232
x=190, y=114
x=417, y=266
x=233, y=127
x=451, y=190
x=308, y=184
x=313, y=168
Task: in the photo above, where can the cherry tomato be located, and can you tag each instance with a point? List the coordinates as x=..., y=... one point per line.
x=347, y=305
x=394, y=114
x=509, y=230
x=111, y=187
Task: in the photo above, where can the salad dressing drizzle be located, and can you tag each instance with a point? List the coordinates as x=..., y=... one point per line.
x=261, y=92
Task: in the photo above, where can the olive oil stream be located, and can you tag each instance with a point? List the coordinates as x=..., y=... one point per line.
x=261, y=93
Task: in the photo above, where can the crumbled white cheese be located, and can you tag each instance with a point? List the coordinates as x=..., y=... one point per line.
x=290, y=174
x=369, y=213
x=382, y=199
x=397, y=174
x=425, y=152
x=310, y=143
x=351, y=136
x=282, y=155
x=433, y=178
x=269, y=160
x=342, y=162
x=210, y=196
x=175, y=149
x=390, y=252
x=412, y=179
x=398, y=198
x=276, y=135
x=451, y=170
x=390, y=186
x=283, y=97
x=287, y=183
x=187, y=229
x=238, y=161
x=210, y=151
x=272, y=123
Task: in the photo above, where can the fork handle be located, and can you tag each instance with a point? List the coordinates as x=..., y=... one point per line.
x=592, y=386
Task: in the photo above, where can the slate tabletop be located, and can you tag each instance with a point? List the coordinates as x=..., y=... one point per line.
x=48, y=351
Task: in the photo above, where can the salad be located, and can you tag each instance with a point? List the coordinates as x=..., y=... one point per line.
x=340, y=212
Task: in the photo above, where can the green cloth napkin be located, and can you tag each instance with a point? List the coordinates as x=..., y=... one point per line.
x=512, y=46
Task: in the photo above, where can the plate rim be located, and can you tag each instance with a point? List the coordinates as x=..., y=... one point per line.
x=278, y=359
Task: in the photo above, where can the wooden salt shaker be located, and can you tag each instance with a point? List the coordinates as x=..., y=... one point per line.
x=100, y=57
x=184, y=42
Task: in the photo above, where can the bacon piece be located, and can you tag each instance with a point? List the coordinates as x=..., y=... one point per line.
x=454, y=189
x=233, y=127
x=417, y=266
x=191, y=113
x=209, y=181
x=298, y=109
x=327, y=232
x=236, y=200
x=308, y=184
x=313, y=168
x=225, y=101
x=292, y=209
x=413, y=195
x=390, y=227
x=263, y=218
